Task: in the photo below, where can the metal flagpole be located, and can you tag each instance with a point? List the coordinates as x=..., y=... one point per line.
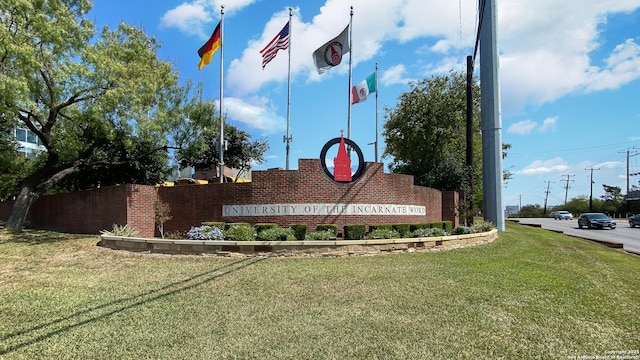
x=376, y=149
x=221, y=141
x=349, y=92
x=289, y=138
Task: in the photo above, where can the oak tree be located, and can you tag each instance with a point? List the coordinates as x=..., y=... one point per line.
x=74, y=88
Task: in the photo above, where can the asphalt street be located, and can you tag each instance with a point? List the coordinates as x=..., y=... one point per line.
x=623, y=235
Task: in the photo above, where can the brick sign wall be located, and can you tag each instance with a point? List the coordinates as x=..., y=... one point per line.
x=309, y=186
x=382, y=199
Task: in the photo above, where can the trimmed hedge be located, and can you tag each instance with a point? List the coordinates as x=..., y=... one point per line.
x=402, y=229
x=354, y=231
x=380, y=227
x=299, y=230
x=263, y=226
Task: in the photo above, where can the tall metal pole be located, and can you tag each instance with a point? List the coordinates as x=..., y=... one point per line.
x=350, y=58
x=491, y=121
x=377, y=89
x=288, y=139
x=221, y=94
x=469, y=197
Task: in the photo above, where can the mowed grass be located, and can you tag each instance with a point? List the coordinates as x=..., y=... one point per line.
x=530, y=294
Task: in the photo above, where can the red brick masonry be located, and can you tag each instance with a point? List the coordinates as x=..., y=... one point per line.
x=93, y=210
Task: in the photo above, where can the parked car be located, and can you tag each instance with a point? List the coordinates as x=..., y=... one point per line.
x=596, y=220
x=563, y=215
x=634, y=220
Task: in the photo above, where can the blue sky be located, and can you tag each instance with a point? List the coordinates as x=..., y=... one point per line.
x=569, y=76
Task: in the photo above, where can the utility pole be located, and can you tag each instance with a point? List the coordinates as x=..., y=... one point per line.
x=544, y=211
x=628, y=187
x=490, y=116
x=520, y=204
x=591, y=193
x=566, y=188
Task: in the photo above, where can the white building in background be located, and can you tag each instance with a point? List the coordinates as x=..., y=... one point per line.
x=511, y=209
x=28, y=143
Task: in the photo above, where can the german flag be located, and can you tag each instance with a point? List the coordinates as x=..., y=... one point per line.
x=210, y=47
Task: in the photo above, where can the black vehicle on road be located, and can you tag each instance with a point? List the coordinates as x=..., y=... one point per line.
x=634, y=220
x=596, y=220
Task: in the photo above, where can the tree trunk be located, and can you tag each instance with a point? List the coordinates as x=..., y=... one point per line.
x=26, y=198
x=31, y=188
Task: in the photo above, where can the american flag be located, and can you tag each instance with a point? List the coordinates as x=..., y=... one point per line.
x=279, y=42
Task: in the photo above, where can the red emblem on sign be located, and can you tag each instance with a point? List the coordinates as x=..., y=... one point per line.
x=342, y=163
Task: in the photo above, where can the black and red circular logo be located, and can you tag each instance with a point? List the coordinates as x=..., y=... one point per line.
x=333, y=53
x=344, y=169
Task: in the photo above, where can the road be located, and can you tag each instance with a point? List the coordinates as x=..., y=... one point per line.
x=624, y=235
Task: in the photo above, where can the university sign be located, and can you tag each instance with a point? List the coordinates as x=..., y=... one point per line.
x=312, y=209
x=342, y=173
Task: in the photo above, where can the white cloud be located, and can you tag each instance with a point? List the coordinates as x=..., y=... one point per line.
x=188, y=18
x=546, y=47
x=394, y=75
x=549, y=123
x=256, y=116
x=195, y=17
x=522, y=127
x=623, y=66
x=609, y=165
x=544, y=167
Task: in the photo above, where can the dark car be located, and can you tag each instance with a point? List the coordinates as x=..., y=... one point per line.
x=595, y=220
x=634, y=220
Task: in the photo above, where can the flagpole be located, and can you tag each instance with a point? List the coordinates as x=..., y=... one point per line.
x=377, y=89
x=289, y=138
x=350, y=58
x=221, y=140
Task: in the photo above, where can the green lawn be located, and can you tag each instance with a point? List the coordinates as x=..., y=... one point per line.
x=530, y=294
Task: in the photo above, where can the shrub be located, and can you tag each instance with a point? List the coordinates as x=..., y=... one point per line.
x=354, y=231
x=383, y=234
x=429, y=232
x=205, y=232
x=323, y=227
x=263, y=226
x=299, y=230
x=275, y=234
x=482, y=226
x=447, y=226
x=175, y=235
x=227, y=226
x=321, y=235
x=402, y=229
x=380, y=226
x=414, y=227
x=240, y=232
x=461, y=230
x=218, y=224
x=162, y=210
x=121, y=230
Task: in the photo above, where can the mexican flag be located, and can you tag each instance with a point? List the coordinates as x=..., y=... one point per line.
x=361, y=91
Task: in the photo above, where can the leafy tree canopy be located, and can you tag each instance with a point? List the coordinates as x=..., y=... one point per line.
x=199, y=138
x=78, y=90
x=425, y=133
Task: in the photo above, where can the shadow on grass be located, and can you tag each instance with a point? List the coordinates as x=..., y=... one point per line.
x=35, y=236
x=54, y=327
